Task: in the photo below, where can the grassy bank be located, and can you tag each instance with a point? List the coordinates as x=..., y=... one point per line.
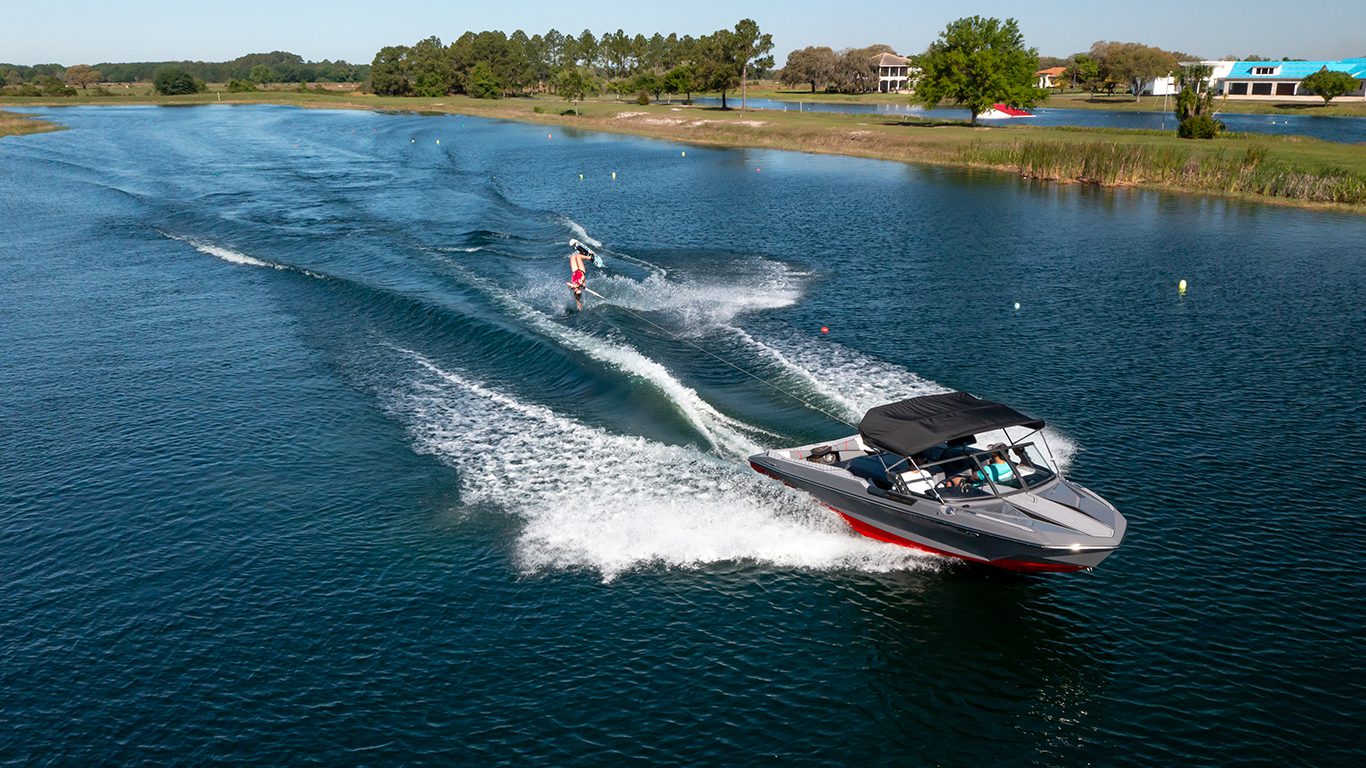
x=18, y=125
x=1339, y=108
x=1226, y=170
x=1282, y=169
x=1118, y=103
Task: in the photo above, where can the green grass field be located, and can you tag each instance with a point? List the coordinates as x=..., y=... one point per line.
x=1283, y=169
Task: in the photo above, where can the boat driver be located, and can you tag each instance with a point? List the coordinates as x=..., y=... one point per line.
x=994, y=468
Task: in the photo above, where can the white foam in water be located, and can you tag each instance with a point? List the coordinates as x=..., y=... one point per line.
x=852, y=379
x=612, y=503
x=233, y=257
x=237, y=257
x=702, y=305
x=858, y=382
x=580, y=233
x=725, y=434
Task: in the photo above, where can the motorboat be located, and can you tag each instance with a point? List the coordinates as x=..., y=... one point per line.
x=956, y=475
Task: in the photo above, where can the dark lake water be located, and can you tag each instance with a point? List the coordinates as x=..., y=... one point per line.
x=1328, y=128
x=305, y=458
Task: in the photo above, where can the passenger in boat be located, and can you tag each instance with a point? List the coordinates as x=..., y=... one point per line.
x=996, y=468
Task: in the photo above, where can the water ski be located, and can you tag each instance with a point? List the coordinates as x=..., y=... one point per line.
x=588, y=252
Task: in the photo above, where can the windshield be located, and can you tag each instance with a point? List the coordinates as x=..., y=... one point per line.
x=970, y=471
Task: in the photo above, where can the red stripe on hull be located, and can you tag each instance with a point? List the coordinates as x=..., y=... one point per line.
x=1020, y=566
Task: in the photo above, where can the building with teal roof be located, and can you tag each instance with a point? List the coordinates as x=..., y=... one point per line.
x=1281, y=79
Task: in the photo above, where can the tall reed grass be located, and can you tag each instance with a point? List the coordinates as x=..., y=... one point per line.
x=1115, y=164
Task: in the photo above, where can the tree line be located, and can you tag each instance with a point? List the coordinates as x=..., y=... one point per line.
x=274, y=67
x=492, y=64
x=852, y=70
x=1110, y=65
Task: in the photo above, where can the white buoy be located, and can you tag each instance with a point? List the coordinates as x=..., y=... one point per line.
x=1017, y=306
x=580, y=177
x=438, y=141
x=614, y=175
x=1181, y=287
x=412, y=141
x=685, y=154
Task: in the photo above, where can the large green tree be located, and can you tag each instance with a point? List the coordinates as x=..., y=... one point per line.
x=724, y=57
x=752, y=49
x=429, y=65
x=573, y=83
x=484, y=83
x=390, y=72
x=856, y=69
x=1133, y=63
x=975, y=63
x=715, y=64
x=812, y=65
x=1083, y=72
x=175, y=81
x=1329, y=84
x=588, y=48
x=681, y=79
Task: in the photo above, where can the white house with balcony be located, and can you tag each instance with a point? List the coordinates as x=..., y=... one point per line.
x=893, y=72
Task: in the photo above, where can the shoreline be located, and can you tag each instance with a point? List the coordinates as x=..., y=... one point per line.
x=1091, y=102
x=1282, y=170
x=15, y=124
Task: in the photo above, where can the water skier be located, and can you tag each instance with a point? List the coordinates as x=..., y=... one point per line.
x=578, y=266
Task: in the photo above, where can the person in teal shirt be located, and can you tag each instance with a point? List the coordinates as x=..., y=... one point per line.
x=996, y=468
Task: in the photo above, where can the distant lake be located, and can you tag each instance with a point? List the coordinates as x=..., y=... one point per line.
x=307, y=458
x=1328, y=128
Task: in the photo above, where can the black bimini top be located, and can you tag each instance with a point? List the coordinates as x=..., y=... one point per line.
x=910, y=426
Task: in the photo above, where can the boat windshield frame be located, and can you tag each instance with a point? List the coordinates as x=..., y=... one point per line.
x=1017, y=446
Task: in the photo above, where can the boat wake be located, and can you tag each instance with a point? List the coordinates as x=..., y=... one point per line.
x=613, y=503
x=237, y=257
x=701, y=305
x=725, y=434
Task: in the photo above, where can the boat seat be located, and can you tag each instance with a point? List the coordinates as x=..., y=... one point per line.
x=870, y=468
x=918, y=481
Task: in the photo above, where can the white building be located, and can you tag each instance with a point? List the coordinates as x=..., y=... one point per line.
x=1171, y=85
x=1281, y=79
x=1048, y=78
x=893, y=72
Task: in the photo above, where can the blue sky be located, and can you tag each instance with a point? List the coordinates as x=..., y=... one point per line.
x=158, y=30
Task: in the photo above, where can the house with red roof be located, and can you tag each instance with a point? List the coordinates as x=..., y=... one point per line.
x=1049, y=78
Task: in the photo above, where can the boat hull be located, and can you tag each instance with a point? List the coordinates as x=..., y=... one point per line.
x=929, y=526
